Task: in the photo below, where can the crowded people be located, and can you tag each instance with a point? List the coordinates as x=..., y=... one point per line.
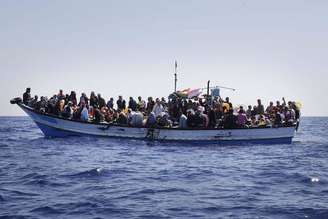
x=177, y=112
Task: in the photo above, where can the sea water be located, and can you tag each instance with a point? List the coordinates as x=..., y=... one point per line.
x=86, y=177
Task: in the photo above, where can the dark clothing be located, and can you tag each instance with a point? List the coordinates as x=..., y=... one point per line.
x=61, y=97
x=77, y=114
x=199, y=120
x=67, y=112
x=278, y=119
x=260, y=109
x=297, y=114
x=211, y=118
x=94, y=101
x=121, y=104
x=191, y=121
x=26, y=97
x=122, y=119
x=41, y=105
x=133, y=105
x=254, y=112
x=195, y=120
x=72, y=98
x=110, y=104
x=150, y=106
x=229, y=121
x=98, y=116
x=101, y=102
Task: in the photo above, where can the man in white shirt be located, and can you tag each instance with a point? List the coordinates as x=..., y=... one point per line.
x=158, y=108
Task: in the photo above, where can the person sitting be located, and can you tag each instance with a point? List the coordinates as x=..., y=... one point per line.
x=254, y=122
x=41, y=105
x=141, y=106
x=51, y=109
x=158, y=108
x=122, y=118
x=60, y=106
x=278, y=105
x=164, y=121
x=137, y=119
x=164, y=103
x=68, y=111
x=109, y=116
x=191, y=118
x=32, y=102
x=98, y=116
x=270, y=109
x=84, y=113
x=254, y=111
x=132, y=104
x=198, y=119
x=229, y=121
x=241, y=118
x=27, y=96
x=289, y=116
x=226, y=105
x=72, y=98
x=262, y=122
x=249, y=112
x=278, y=119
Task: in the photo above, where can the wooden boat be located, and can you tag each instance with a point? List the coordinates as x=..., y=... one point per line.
x=55, y=126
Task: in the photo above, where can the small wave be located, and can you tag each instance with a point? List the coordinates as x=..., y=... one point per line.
x=297, y=212
x=14, y=216
x=211, y=209
x=6, y=129
x=72, y=206
x=95, y=172
x=42, y=182
x=33, y=176
x=157, y=191
x=46, y=210
x=37, y=179
x=19, y=193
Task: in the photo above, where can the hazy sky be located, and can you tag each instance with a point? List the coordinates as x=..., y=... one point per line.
x=264, y=49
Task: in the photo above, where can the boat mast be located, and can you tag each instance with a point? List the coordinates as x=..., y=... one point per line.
x=175, y=76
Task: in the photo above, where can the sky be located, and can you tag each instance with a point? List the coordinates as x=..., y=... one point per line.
x=263, y=49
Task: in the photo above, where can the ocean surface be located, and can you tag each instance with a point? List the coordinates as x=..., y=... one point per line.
x=85, y=177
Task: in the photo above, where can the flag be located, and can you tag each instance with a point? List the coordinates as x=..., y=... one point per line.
x=176, y=64
x=194, y=93
x=183, y=93
x=215, y=92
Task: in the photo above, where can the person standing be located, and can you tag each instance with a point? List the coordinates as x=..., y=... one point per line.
x=121, y=105
x=260, y=107
x=158, y=108
x=27, y=96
